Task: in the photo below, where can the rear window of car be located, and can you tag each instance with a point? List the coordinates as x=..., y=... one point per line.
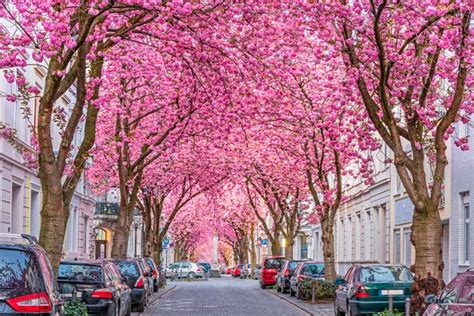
x=85, y=273
x=19, y=271
x=384, y=274
x=274, y=263
x=313, y=268
x=128, y=268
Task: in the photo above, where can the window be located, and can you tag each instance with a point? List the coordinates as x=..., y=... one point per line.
x=81, y=273
x=397, y=245
x=466, y=232
x=467, y=294
x=450, y=292
x=384, y=274
x=407, y=246
x=85, y=238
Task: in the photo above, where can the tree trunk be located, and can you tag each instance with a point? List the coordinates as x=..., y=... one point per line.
x=428, y=267
x=289, y=249
x=275, y=246
x=54, y=217
x=327, y=236
x=121, y=234
x=157, y=253
x=253, y=252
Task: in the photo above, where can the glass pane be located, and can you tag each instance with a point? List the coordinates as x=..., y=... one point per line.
x=450, y=292
x=467, y=294
x=81, y=273
x=384, y=274
x=19, y=271
x=128, y=268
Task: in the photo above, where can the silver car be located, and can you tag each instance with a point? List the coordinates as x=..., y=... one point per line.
x=187, y=269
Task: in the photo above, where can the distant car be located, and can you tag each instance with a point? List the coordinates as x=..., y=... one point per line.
x=187, y=269
x=366, y=288
x=207, y=267
x=27, y=280
x=97, y=284
x=246, y=271
x=270, y=267
x=237, y=270
x=171, y=270
x=305, y=270
x=229, y=270
x=285, y=273
x=154, y=273
x=256, y=273
x=457, y=298
x=141, y=290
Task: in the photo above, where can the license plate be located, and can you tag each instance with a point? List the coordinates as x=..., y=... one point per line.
x=392, y=292
x=70, y=296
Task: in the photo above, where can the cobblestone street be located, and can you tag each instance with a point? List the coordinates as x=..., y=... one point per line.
x=224, y=296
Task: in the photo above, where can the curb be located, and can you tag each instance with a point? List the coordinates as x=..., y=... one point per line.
x=163, y=293
x=292, y=303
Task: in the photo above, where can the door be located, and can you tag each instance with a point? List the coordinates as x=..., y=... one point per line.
x=100, y=249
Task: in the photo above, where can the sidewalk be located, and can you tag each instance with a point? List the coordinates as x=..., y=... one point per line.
x=323, y=308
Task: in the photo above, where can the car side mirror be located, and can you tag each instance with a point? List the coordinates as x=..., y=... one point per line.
x=430, y=299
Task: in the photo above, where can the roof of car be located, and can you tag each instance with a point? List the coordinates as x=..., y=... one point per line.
x=84, y=261
x=17, y=239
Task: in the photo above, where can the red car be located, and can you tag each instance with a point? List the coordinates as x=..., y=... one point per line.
x=237, y=270
x=229, y=270
x=270, y=267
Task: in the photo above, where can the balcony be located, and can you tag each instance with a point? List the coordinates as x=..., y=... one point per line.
x=106, y=209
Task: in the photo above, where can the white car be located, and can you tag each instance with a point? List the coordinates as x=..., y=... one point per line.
x=185, y=270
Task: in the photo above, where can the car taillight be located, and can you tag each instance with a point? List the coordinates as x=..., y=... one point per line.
x=287, y=273
x=102, y=293
x=140, y=282
x=31, y=303
x=361, y=292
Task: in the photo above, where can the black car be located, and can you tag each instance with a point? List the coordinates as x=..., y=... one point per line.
x=306, y=270
x=137, y=280
x=27, y=284
x=154, y=273
x=285, y=273
x=98, y=284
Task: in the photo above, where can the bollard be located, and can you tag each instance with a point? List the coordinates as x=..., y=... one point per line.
x=390, y=303
x=313, y=292
x=407, y=306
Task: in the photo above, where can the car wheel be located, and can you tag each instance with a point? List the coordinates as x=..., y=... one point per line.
x=292, y=293
x=262, y=286
x=337, y=312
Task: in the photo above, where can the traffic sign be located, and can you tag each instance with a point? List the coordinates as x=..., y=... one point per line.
x=166, y=243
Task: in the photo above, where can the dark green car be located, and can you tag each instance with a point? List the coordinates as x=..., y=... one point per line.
x=366, y=289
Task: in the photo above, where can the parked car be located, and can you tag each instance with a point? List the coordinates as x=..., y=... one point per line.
x=206, y=266
x=246, y=271
x=147, y=272
x=188, y=270
x=270, y=267
x=366, y=288
x=27, y=279
x=229, y=270
x=457, y=298
x=305, y=270
x=285, y=273
x=155, y=274
x=171, y=270
x=237, y=270
x=97, y=284
x=137, y=280
x=256, y=273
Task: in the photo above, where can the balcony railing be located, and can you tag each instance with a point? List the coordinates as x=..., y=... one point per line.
x=106, y=208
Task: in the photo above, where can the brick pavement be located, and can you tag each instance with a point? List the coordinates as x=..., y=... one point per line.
x=221, y=297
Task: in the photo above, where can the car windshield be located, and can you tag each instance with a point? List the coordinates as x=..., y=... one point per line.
x=293, y=264
x=313, y=268
x=206, y=266
x=274, y=263
x=19, y=271
x=385, y=274
x=85, y=273
x=128, y=268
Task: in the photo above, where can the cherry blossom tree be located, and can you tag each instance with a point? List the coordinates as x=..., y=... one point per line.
x=412, y=65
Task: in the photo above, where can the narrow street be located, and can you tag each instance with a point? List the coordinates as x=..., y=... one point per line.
x=225, y=296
